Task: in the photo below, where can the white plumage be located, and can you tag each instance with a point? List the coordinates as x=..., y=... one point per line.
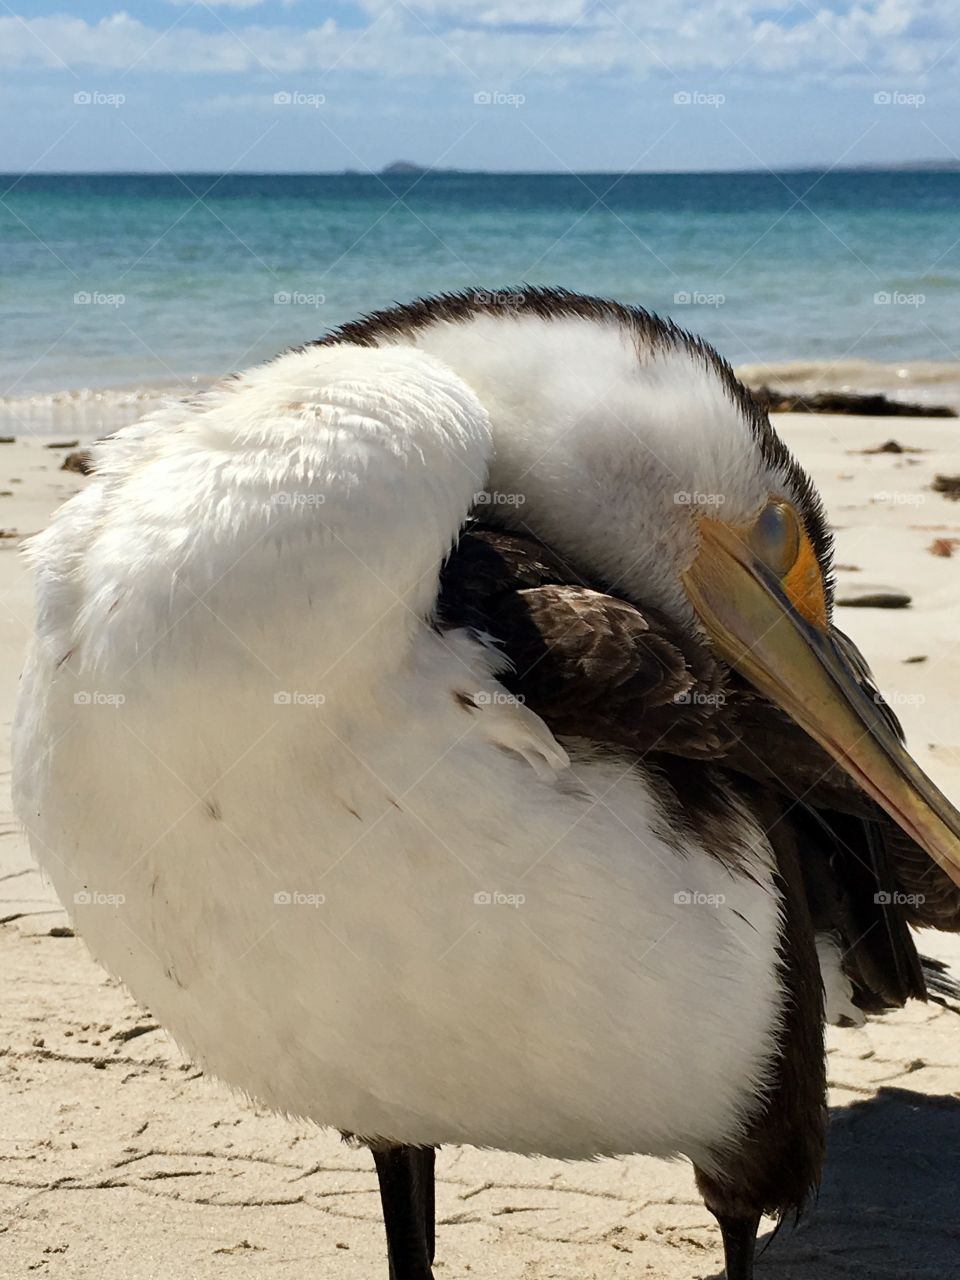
x=283, y=818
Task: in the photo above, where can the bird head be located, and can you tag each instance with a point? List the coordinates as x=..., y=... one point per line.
x=631, y=448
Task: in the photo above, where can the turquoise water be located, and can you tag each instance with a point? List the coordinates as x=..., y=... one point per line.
x=186, y=276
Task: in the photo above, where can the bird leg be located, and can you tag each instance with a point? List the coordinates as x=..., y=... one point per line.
x=739, y=1243
x=407, y=1196
x=776, y=1162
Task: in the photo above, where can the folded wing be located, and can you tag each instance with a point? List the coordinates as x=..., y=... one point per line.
x=594, y=665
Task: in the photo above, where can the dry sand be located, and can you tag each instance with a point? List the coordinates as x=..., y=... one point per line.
x=119, y=1159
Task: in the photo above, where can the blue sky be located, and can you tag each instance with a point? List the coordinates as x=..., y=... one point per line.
x=602, y=85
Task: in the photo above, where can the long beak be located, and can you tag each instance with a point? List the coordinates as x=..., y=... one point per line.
x=803, y=669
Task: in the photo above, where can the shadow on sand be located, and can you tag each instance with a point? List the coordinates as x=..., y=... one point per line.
x=890, y=1201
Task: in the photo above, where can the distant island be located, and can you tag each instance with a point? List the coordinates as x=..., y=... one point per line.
x=411, y=169
x=404, y=167
x=398, y=169
x=909, y=166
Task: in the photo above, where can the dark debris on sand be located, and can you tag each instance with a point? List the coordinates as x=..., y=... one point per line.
x=875, y=406
x=890, y=446
x=949, y=486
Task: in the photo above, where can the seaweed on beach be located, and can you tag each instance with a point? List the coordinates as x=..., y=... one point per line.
x=874, y=406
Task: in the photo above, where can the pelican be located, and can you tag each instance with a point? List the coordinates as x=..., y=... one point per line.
x=442, y=729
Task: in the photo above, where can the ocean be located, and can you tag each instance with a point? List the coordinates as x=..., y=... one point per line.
x=113, y=285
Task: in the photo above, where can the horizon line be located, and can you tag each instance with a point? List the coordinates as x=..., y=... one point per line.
x=418, y=171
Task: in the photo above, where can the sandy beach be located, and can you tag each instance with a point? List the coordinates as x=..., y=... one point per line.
x=120, y=1159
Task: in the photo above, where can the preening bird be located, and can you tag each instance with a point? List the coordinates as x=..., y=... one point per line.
x=442, y=729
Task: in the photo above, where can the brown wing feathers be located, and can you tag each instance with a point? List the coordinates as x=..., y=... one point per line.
x=591, y=663
x=596, y=666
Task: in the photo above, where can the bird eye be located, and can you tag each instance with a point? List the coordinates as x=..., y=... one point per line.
x=775, y=538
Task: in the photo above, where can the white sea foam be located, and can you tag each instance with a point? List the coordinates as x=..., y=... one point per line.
x=87, y=412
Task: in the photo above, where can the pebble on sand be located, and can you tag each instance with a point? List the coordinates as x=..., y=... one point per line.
x=864, y=596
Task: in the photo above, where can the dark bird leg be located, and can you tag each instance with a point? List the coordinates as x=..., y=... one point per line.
x=406, y=1193
x=739, y=1243
x=777, y=1160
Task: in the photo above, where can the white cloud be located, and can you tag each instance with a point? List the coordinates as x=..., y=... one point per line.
x=499, y=42
x=120, y=42
x=487, y=13
x=219, y=4
x=229, y=4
